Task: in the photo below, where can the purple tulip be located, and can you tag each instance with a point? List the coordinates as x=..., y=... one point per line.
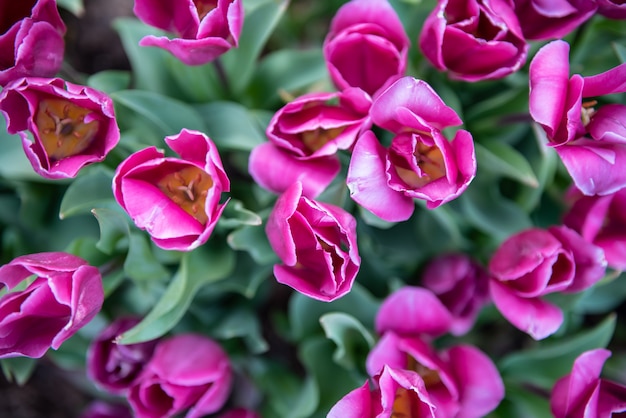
x=613, y=9
x=115, y=367
x=63, y=126
x=601, y=220
x=460, y=381
x=101, y=409
x=62, y=294
x=591, y=143
x=420, y=163
x=396, y=392
x=366, y=46
x=31, y=39
x=317, y=244
x=304, y=137
x=583, y=394
x=461, y=284
x=203, y=29
x=177, y=200
x=534, y=263
x=413, y=311
x=541, y=20
x=474, y=40
x=187, y=372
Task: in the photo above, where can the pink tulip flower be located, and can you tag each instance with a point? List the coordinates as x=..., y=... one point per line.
x=461, y=284
x=591, y=143
x=63, y=126
x=474, y=40
x=460, y=381
x=176, y=200
x=534, y=263
x=31, y=39
x=316, y=243
x=541, y=20
x=613, y=9
x=413, y=311
x=203, y=29
x=304, y=137
x=115, y=367
x=188, y=372
x=366, y=46
x=601, y=220
x=396, y=392
x=583, y=394
x=420, y=163
x=62, y=294
x=101, y=409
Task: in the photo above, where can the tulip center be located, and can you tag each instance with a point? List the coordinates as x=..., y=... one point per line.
x=204, y=7
x=319, y=137
x=62, y=128
x=587, y=110
x=429, y=160
x=405, y=404
x=188, y=188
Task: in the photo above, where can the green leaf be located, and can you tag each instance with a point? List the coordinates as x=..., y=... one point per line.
x=18, y=369
x=75, y=6
x=202, y=266
x=236, y=215
x=242, y=323
x=253, y=240
x=502, y=159
x=13, y=162
x=550, y=360
x=522, y=403
x=231, y=126
x=286, y=70
x=620, y=51
x=89, y=191
x=166, y=114
x=141, y=264
x=109, y=81
x=353, y=340
x=113, y=228
x=603, y=297
x=258, y=25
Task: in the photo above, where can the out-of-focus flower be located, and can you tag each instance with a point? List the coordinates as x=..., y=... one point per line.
x=582, y=393
x=304, y=137
x=534, y=263
x=113, y=366
x=460, y=381
x=542, y=20
x=420, y=163
x=474, y=40
x=461, y=284
x=240, y=413
x=602, y=221
x=31, y=39
x=413, y=311
x=316, y=242
x=613, y=9
x=187, y=372
x=396, y=392
x=203, y=29
x=101, y=409
x=63, y=126
x=176, y=200
x=366, y=46
x=591, y=143
x=62, y=294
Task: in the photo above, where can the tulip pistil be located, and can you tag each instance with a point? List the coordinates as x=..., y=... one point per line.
x=188, y=188
x=587, y=111
x=62, y=128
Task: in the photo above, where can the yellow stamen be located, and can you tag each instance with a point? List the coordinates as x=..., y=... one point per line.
x=319, y=137
x=430, y=161
x=188, y=188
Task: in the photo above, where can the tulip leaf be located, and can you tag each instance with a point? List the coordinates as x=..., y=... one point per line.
x=231, y=126
x=253, y=240
x=287, y=71
x=110, y=81
x=304, y=311
x=620, y=51
x=242, y=323
x=522, y=403
x=245, y=279
x=75, y=6
x=235, y=215
x=502, y=159
x=258, y=25
x=604, y=297
x=113, y=228
x=13, y=162
x=353, y=340
x=204, y=265
x=89, y=191
x=141, y=264
x=166, y=114
x=18, y=369
x=542, y=365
